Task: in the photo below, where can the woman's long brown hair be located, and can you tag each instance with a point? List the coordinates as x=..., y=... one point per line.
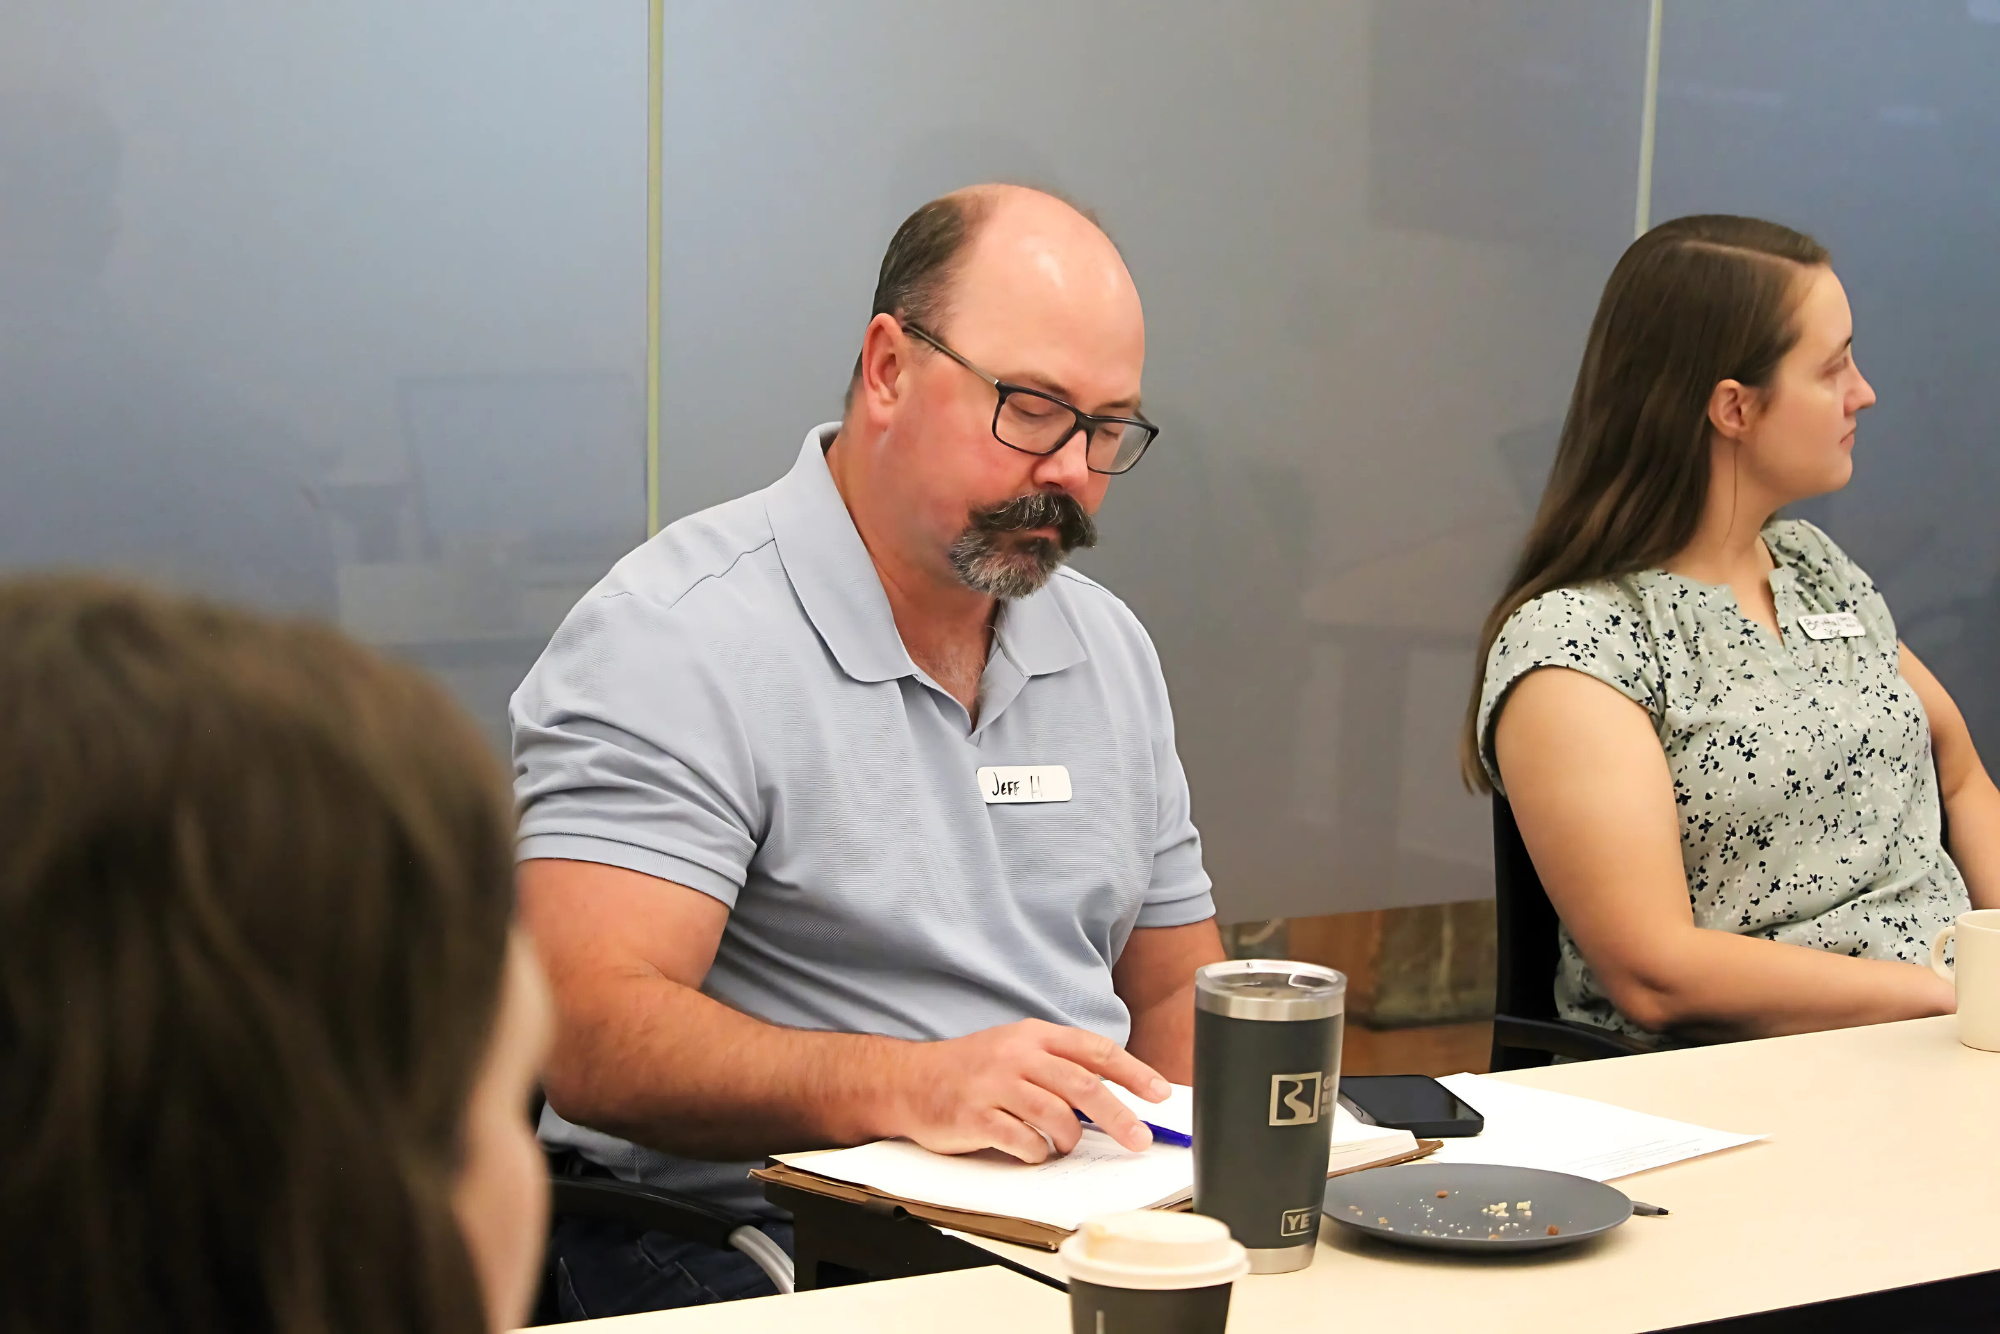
x=255, y=891
x=1692, y=303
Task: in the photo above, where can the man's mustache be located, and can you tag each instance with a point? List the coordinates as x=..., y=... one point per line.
x=1040, y=509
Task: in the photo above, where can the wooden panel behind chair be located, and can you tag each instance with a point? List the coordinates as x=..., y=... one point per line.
x=1526, y=1029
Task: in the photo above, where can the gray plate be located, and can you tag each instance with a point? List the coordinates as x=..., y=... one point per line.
x=1401, y=1204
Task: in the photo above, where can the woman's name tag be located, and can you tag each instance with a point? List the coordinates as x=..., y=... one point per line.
x=1833, y=625
x=1015, y=784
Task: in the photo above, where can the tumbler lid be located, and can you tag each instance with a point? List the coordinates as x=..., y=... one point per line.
x=1153, y=1249
x=1270, y=989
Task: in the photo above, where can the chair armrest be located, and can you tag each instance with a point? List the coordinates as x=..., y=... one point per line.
x=648, y=1208
x=1579, y=1042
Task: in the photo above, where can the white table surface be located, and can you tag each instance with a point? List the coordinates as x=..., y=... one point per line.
x=966, y=1301
x=1882, y=1170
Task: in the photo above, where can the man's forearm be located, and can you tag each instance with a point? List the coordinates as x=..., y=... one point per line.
x=1154, y=976
x=665, y=1066
x=1163, y=1035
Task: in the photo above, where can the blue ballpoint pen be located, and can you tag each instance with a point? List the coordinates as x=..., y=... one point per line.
x=1161, y=1135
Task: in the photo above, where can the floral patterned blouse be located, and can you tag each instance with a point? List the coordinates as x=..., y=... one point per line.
x=1802, y=769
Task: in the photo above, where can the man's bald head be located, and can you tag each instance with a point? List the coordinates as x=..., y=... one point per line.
x=992, y=288
x=928, y=251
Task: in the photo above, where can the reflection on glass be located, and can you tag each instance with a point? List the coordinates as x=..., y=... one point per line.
x=1368, y=238
x=1875, y=128
x=116, y=449
x=338, y=310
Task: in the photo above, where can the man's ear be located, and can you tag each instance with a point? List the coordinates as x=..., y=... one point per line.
x=885, y=355
x=1733, y=409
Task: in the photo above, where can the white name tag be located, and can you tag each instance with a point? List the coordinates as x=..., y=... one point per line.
x=1833, y=625
x=1012, y=784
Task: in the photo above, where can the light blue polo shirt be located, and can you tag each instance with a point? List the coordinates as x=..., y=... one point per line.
x=732, y=709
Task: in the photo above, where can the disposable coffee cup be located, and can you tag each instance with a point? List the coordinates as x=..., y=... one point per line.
x=1151, y=1272
x=1266, y=1068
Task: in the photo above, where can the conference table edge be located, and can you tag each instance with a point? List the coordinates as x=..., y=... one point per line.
x=1785, y=1315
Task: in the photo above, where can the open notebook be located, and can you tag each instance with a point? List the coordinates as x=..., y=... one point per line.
x=994, y=1195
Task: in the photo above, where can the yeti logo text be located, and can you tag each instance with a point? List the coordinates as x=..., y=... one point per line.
x=1295, y=1223
x=1295, y=1099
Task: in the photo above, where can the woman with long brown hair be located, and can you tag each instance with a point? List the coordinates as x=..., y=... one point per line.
x=1727, y=768
x=267, y=1036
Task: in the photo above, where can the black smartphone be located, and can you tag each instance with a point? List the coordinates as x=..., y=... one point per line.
x=1416, y=1103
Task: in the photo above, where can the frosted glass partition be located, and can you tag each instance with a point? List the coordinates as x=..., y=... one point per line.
x=338, y=308
x=1877, y=128
x=1368, y=237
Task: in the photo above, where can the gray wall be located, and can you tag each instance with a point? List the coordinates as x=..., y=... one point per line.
x=1368, y=237
x=338, y=308
x=1876, y=127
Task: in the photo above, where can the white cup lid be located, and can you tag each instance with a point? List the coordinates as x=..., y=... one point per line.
x=1150, y=1248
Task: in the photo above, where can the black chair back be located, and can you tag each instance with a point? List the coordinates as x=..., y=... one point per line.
x=1526, y=1029
x=1527, y=923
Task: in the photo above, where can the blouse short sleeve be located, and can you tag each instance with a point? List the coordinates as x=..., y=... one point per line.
x=1598, y=629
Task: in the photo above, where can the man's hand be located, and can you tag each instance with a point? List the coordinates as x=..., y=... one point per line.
x=1008, y=1088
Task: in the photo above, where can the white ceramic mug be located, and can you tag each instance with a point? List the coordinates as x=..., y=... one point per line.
x=1976, y=975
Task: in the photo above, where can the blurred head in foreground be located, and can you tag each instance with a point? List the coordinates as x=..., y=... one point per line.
x=267, y=1038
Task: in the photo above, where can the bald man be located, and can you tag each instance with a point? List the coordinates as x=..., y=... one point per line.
x=849, y=811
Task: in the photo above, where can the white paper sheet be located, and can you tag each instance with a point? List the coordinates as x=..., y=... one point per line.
x=1528, y=1127
x=1176, y=1113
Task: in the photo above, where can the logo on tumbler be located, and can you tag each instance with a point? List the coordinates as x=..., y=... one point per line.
x=1295, y=1099
x=1296, y=1223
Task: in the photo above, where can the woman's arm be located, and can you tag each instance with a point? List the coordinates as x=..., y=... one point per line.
x=1970, y=800
x=1594, y=799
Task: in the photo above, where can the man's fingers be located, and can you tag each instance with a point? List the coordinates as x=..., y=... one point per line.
x=1097, y=1053
x=1083, y=1090
x=1047, y=1112
x=1011, y=1135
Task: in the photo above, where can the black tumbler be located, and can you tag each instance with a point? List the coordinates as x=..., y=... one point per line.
x=1266, y=1068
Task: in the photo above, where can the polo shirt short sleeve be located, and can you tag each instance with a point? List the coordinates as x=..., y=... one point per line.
x=668, y=791
x=732, y=709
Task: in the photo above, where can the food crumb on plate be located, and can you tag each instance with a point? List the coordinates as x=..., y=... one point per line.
x=1554, y=1230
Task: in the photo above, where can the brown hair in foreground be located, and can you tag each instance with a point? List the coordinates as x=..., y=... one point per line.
x=1692, y=303
x=255, y=892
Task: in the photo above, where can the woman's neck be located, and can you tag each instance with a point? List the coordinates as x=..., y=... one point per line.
x=1728, y=546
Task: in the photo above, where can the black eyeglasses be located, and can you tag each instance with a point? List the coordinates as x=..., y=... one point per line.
x=1037, y=423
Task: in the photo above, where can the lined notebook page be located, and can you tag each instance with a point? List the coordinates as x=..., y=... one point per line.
x=1096, y=1177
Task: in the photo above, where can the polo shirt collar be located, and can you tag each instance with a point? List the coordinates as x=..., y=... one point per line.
x=838, y=586
x=830, y=569
x=1035, y=633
